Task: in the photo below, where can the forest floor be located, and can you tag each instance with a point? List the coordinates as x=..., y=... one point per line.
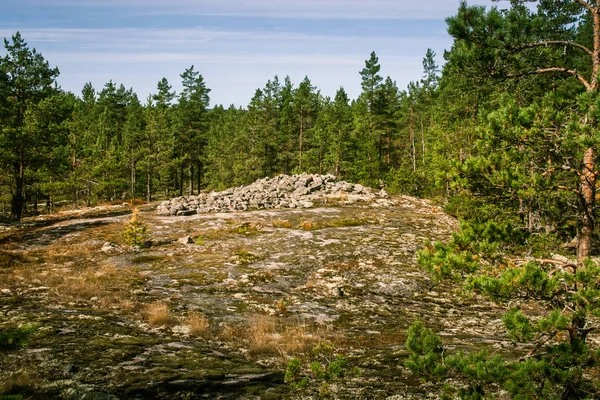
x=221, y=317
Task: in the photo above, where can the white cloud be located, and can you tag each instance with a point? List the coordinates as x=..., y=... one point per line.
x=235, y=62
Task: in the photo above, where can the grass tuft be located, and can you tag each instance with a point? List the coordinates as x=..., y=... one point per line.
x=198, y=324
x=158, y=314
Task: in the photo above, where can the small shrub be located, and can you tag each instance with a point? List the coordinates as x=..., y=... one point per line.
x=281, y=306
x=325, y=367
x=199, y=241
x=17, y=337
x=135, y=233
x=292, y=374
x=426, y=351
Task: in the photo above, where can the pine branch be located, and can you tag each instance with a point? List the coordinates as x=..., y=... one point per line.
x=539, y=343
x=561, y=264
x=540, y=71
x=569, y=189
x=586, y=5
x=552, y=42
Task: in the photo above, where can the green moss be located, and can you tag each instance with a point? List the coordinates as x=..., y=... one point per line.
x=242, y=257
x=247, y=229
x=146, y=259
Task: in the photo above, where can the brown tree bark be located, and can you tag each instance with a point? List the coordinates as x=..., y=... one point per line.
x=588, y=200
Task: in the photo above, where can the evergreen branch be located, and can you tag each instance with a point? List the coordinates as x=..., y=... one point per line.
x=576, y=191
x=586, y=5
x=551, y=42
x=540, y=71
x=521, y=261
x=539, y=343
x=570, y=169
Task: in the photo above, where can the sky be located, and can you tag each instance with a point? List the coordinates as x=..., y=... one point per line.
x=237, y=45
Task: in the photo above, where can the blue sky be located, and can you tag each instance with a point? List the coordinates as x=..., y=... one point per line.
x=237, y=45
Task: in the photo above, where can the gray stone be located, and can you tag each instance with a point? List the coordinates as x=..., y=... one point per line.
x=282, y=191
x=186, y=212
x=185, y=240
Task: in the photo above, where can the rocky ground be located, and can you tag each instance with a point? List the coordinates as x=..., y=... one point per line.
x=217, y=304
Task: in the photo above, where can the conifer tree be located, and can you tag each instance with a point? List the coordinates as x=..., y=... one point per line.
x=26, y=79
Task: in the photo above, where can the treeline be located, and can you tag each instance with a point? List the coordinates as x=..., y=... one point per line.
x=107, y=144
x=507, y=130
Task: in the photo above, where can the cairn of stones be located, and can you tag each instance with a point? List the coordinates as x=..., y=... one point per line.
x=282, y=191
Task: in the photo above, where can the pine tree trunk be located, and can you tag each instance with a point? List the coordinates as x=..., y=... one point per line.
x=181, y=179
x=389, y=150
x=300, y=155
x=132, y=178
x=198, y=175
x=411, y=133
x=149, y=184
x=191, y=180
x=18, y=200
x=423, y=142
x=588, y=199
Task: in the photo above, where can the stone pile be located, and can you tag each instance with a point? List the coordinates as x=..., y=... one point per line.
x=283, y=191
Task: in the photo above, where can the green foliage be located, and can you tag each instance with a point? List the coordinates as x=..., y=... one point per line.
x=462, y=256
x=326, y=367
x=135, y=233
x=17, y=337
x=292, y=373
x=559, y=354
x=426, y=352
x=518, y=326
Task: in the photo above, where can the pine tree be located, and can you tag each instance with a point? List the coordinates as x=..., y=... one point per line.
x=192, y=119
x=26, y=79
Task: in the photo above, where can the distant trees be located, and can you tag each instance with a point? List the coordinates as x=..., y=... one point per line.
x=106, y=145
x=27, y=82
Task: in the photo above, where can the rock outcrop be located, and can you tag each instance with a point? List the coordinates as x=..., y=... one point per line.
x=282, y=191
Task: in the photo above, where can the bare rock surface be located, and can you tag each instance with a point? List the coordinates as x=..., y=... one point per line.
x=221, y=301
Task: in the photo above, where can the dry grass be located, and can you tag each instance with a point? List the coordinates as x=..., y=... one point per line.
x=198, y=324
x=281, y=223
x=158, y=314
x=285, y=338
x=334, y=199
x=230, y=333
x=108, y=286
x=307, y=225
x=19, y=382
x=108, y=283
x=136, y=202
x=10, y=259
